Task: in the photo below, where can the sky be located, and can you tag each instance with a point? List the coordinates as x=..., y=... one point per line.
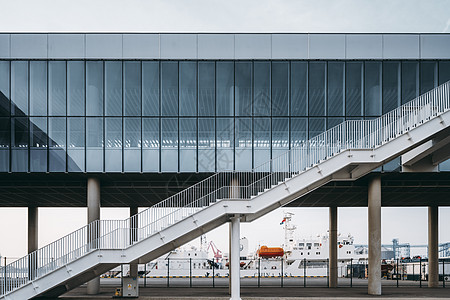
x=407, y=224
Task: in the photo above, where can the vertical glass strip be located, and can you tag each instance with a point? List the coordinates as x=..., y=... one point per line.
x=169, y=145
x=57, y=144
x=132, y=86
x=316, y=88
x=206, y=88
x=38, y=144
x=57, y=88
x=410, y=80
x=335, y=85
x=353, y=89
x=132, y=145
x=113, y=88
x=19, y=88
x=225, y=144
x=243, y=142
x=150, y=144
x=113, y=144
x=150, y=88
x=94, y=88
x=188, y=145
x=76, y=135
x=38, y=88
x=5, y=104
x=206, y=145
x=225, y=88
x=372, y=88
x=94, y=144
x=76, y=88
x=391, y=85
x=188, y=88
x=243, y=97
x=261, y=94
x=169, y=88
x=280, y=88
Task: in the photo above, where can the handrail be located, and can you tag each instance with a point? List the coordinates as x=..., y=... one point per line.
x=120, y=234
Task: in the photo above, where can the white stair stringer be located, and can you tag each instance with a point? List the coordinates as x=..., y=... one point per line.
x=349, y=164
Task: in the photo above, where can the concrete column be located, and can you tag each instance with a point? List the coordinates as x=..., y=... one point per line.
x=93, y=203
x=235, y=259
x=433, y=246
x=374, y=201
x=32, y=240
x=333, y=248
x=134, y=225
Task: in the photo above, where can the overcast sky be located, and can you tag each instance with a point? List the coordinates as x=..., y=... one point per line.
x=410, y=225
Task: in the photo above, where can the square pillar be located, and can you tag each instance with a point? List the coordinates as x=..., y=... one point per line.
x=433, y=246
x=93, y=204
x=374, y=203
x=333, y=249
x=235, y=259
x=133, y=235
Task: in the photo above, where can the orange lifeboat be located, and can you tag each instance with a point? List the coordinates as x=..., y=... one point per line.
x=268, y=252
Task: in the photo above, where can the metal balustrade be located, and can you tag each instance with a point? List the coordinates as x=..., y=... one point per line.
x=120, y=234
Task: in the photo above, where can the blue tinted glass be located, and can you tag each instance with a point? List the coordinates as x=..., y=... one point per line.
x=57, y=88
x=75, y=144
x=372, y=88
x=444, y=71
x=299, y=132
x=169, y=145
x=225, y=88
x=150, y=88
x=169, y=88
x=5, y=104
x=261, y=103
x=38, y=88
x=316, y=126
x=316, y=88
x=331, y=122
x=150, y=144
x=280, y=137
x=132, y=86
x=94, y=144
x=391, y=86
x=261, y=143
x=57, y=144
x=75, y=88
x=299, y=88
x=225, y=144
x=243, y=97
x=410, y=80
x=280, y=88
x=113, y=88
x=188, y=88
x=353, y=88
x=132, y=144
x=188, y=145
x=5, y=135
x=19, y=144
x=19, y=88
x=335, y=86
x=38, y=144
x=206, y=88
x=206, y=145
x=94, y=88
x=113, y=144
x=428, y=76
x=243, y=142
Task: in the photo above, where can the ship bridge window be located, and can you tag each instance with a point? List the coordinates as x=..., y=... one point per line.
x=301, y=244
x=308, y=245
x=316, y=244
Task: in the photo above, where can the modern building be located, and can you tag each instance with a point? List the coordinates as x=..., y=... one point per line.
x=143, y=116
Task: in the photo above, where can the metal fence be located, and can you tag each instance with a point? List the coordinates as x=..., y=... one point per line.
x=119, y=234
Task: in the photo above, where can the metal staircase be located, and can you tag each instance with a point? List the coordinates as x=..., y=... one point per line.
x=345, y=152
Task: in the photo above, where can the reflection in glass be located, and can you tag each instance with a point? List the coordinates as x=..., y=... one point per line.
x=75, y=144
x=335, y=86
x=299, y=88
x=113, y=88
x=243, y=142
x=188, y=88
x=19, y=88
x=353, y=88
x=113, y=144
x=261, y=143
x=206, y=145
x=38, y=88
x=280, y=137
x=188, y=145
x=5, y=135
x=206, y=89
x=372, y=88
x=132, y=86
x=5, y=104
x=410, y=80
x=225, y=88
x=169, y=88
x=280, y=88
x=316, y=89
x=225, y=144
x=150, y=88
x=316, y=126
x=94, y=88
x=428, y=76
x=94, y=144
x=243, y=100
x=57, y=88
x=150, y=144
x=57, y=144
x=299, y=132
x=19, y=144
x=132, y=144
x=75, y=88
x=444, y=71
x=391, y=85
x=38, y=144
x=261, y=103
x=169, y=145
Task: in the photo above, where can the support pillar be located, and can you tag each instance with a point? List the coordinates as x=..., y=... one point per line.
x=235, y=259
x=374, y=203
x=433, y=246
x=133, y=234
x=333, y=248
x=32, y=241
x=93, y=203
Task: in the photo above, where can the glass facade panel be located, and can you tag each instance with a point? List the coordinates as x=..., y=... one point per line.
x=38, y=88
x=57, y=88
x=132, y=86
x=206, y=145
x=353, y=88
x=150, y=88
x=316, y=88
x=113, y=88
x=428, y=76
x=299, y=132
x=243, y=97
x=132, y=144
x=5, y=138
x=38, y=144
x=261, y=94
x=372, y=88
x=410, y=80
x=261, y=143
x=169, y=88
x=113, y=144
x=299, y=88
x=76, y=135
x=316, y=126
x=331, y=122
x=57, y=144
x=225, y=144
x=94, y=145
x=280, y=137
x=75, y=88
x=5, y=104
x=336, y=84
x=206, y=88
x=391, y=85
x=94, y=88
x=225, y=88
x=444, y=71
x=150, y=145
x=169, y=145
x=19, y=88
x=243, y=144
x=188, y=145
x=280, y=88
x=19, y=144
x=188, y=88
